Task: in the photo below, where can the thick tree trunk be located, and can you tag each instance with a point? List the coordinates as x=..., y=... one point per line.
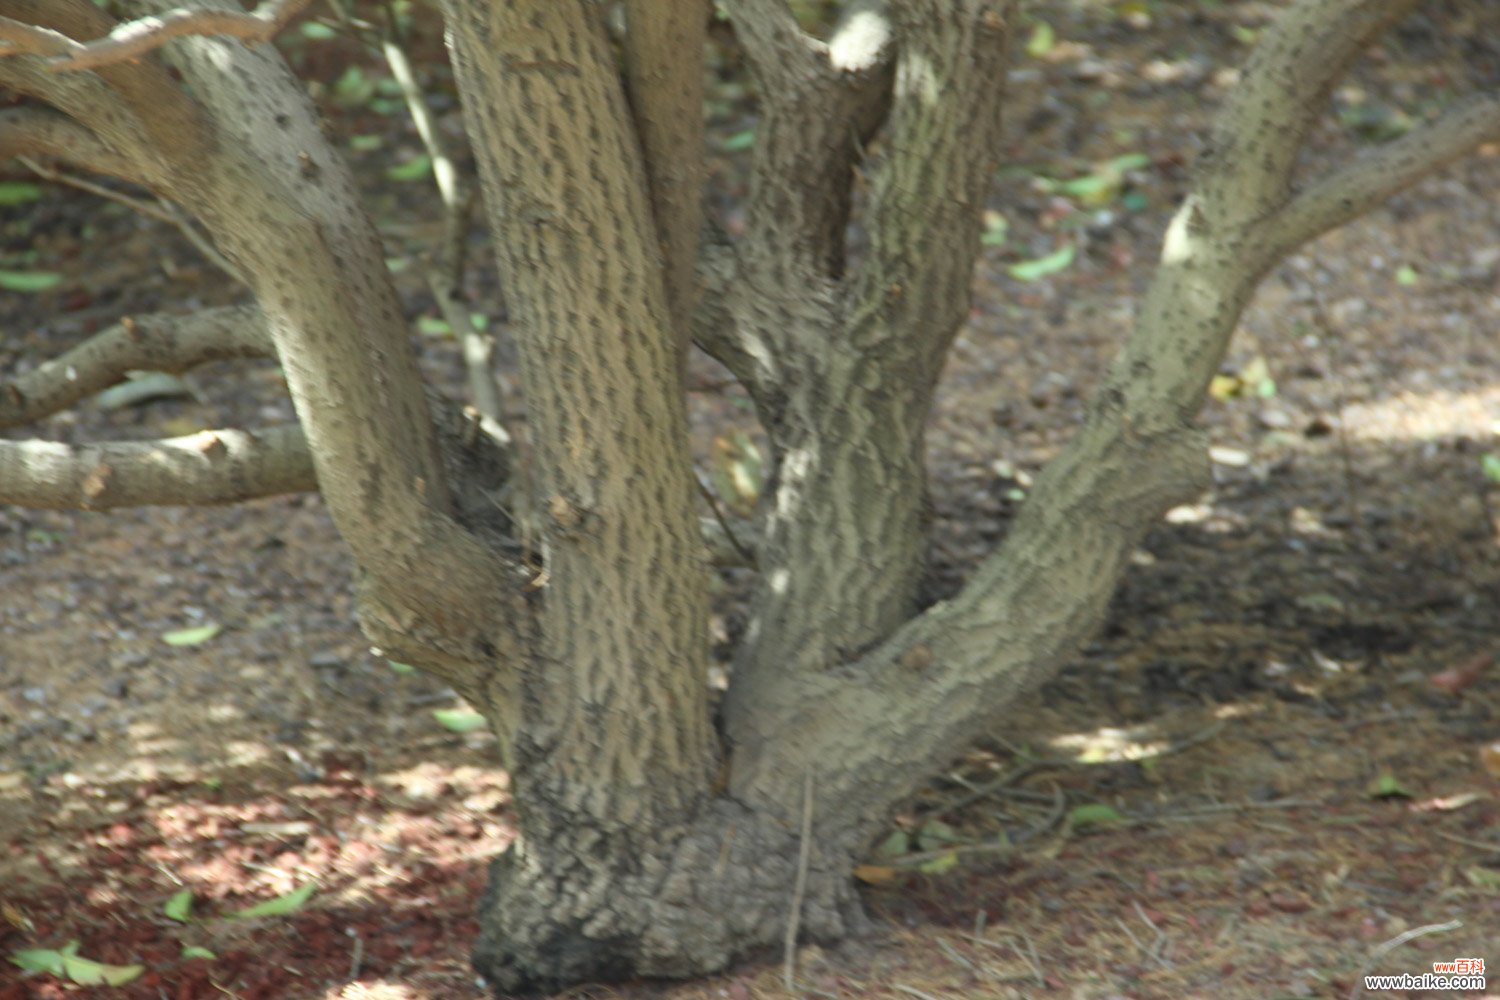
x=684, y=901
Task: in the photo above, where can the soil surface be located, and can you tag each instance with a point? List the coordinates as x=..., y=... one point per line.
x=1274, y=772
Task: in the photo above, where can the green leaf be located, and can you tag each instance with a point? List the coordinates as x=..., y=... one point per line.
x=996, y=229
x=29, y=281
x=281, y=905
x=433, y=326
x=945, y=862
x=738, y=142
x=1489, y=464
x=935, y=834
x=458, y=720
x=179, y=906
x=39, y=960
x=353, y=87
x=897, y=843
x=1388, y=786
x=1042, y=40
x=413, y=169
x=402, y=668
x=1406, y=276
x=317, y=31
x=365, y=143
x=193, y=951
x=1093, y=814
x=1128, y=162
x=85, y=972
x=192, y=636
x=19, y=192
x=1031, y=270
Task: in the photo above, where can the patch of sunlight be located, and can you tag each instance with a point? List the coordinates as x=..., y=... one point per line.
x=238, y=753
x=779, y=579
x=225, y=712
x=429, y=780
x=1426, y=416
x=1236, y=711
x=1110, y=745
x=377, y=990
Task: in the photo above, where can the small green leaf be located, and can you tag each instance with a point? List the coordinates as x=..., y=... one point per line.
x=1387, y=786
x=29, y=281
x=317, y=31
x=945, y=862
x=738, y=142
x=457, y=720
x=281, y=905
x=86, y=972
x=1093, y=814
x=353, y=87
x=194, y=951
x=897, y=843
x=1489, y=464
x=1128, y=162
x=39, y=960
x=19, y=192
x=1031, y=270
x=413, y=169
x=1043, y=40
x=192, y=636
x=433, y=326
x=179, y=906
x=365, y=143
x=1406, y=276
x=935, y=834
x=996, y=229
x=402, y=668
x=1482, y=878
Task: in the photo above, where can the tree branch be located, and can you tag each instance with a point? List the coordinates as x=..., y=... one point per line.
x=664, y=42
x=928, y=193
x=1246, y=170
x=133, y=39
x=158, y=342
x=36, y=132
x=1030, y=604
x=1354, y=189
x=210, y=467
x=818, y=106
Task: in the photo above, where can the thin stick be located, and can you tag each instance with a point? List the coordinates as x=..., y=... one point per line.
x=799, y=888
x=1393, y=944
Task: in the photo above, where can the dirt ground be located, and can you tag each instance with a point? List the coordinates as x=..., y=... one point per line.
x=1267, y=777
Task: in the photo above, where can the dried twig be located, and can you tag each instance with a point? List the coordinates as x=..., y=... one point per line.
x=799, y=888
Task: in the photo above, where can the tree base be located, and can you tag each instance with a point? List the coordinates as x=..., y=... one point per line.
x=588, y=909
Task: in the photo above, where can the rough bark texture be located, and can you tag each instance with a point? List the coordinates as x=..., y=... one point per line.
x=584, y=639
x=615, y=752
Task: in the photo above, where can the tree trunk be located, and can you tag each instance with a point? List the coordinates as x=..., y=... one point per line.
x=682, y=900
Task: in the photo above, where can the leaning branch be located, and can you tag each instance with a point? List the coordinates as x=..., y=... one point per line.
x=157, y=342
x=1246, y=170
x=134, y=39
x=1029, y=605
x=210, y=467
x=1352, y=190
x=38, y=132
